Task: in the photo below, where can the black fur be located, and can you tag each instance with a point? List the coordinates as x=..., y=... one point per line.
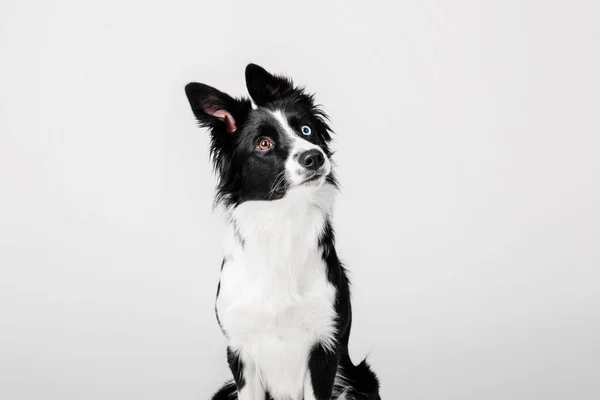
x=323, y=365
x=245, y=174
x=236, y=366
x=217, y=296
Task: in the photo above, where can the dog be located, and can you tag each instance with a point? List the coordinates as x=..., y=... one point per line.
x=283, y=298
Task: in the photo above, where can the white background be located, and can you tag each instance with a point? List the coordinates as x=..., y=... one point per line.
x=468, y=147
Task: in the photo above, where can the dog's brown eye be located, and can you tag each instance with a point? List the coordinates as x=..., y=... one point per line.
x=264, y=144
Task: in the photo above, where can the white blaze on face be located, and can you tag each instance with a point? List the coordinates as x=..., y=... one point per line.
x=297, y=173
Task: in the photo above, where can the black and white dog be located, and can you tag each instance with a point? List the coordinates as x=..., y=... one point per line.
x=283, y=300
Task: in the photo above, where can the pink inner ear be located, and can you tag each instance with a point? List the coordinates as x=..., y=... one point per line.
x=224, y=115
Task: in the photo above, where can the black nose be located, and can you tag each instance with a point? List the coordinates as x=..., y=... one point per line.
x=312, y=159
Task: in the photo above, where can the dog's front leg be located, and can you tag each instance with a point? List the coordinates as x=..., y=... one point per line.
x=247, y=380
x=322, y=368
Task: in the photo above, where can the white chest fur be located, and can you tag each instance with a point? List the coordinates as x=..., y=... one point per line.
x=275, y=301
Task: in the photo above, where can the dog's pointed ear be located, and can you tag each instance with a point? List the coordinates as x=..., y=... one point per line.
x=265, y=87
x=215, y=109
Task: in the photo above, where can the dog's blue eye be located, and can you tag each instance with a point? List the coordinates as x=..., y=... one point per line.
x=305, y=129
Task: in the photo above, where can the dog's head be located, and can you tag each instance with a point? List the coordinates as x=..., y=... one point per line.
x=264, y=151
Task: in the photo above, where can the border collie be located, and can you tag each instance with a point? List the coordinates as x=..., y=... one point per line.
x=283, y=298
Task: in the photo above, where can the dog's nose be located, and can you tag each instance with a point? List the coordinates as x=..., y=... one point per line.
x=312, y=159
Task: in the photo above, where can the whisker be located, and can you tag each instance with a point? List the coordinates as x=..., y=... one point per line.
x=279, y=179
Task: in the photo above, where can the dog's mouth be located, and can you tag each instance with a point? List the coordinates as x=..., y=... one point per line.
x=309, y=181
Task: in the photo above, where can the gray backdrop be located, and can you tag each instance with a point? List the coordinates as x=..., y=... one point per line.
x=468, y=143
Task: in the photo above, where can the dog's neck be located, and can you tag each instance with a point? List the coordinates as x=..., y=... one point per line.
x=280, y=234
x=291, y=212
